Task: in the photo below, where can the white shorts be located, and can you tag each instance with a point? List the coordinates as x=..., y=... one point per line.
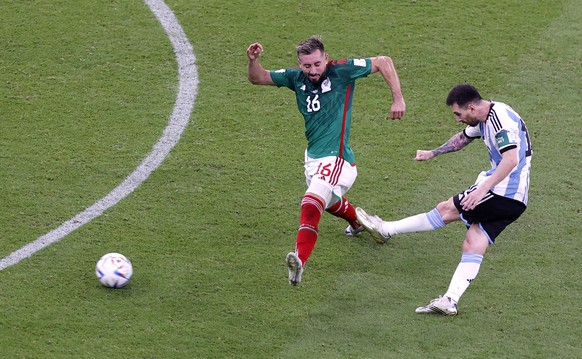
x=329, y=177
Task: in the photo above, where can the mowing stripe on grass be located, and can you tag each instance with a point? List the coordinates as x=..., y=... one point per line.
x=188, y=86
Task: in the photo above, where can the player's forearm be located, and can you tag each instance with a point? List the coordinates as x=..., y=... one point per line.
x=455, y=143
x=388, y=71
x=255, y=71
x=504, y=168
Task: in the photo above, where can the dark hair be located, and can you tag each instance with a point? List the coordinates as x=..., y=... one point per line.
x=307, y=47
x=463, y=95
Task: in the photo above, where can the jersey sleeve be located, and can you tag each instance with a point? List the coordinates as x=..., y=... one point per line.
x=472, y=132
x=507, y=134
x=284, y=77
x=351, y=69
x=505, y=140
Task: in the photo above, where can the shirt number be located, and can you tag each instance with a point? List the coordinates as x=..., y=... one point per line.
x=313, y=105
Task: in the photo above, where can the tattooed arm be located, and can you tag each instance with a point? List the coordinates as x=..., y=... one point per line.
x=455, y=143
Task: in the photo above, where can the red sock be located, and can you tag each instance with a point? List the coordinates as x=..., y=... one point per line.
x=344, y=209
x=311, y=210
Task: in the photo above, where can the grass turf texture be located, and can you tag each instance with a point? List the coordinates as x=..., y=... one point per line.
x=88, y=87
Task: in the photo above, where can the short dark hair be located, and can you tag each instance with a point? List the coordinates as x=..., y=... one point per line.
x=463, y=95
x=307, y=47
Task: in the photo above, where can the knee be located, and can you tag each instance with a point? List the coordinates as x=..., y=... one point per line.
x=476, y=241
x=321, y=190
x=448, y=211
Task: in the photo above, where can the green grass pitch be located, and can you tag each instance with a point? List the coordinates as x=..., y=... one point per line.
x=88, y=87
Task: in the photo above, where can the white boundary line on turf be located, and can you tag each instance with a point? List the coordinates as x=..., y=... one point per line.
x=188, y=88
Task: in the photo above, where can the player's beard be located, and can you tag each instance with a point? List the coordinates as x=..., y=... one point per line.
x=315, y=80
x=471, y=122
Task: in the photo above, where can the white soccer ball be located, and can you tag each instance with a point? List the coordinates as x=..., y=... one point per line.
x=114, y=270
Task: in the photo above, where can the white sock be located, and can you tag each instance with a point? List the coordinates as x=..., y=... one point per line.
x=423, y=222
x=466, y=271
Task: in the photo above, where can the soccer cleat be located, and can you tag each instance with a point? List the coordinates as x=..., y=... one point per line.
x=373, y=224
x=351, y=232
x=440, y=305
x=295, y=268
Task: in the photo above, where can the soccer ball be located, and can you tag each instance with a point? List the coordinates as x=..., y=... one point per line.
x=114, y=270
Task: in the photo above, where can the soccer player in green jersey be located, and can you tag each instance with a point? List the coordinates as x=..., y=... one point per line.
x=324, y=90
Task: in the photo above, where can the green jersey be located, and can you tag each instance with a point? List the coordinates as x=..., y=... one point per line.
x=327, y=107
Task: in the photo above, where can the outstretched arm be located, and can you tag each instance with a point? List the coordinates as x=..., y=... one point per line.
x=257, y=75
x=455, y=143
x=385, y=65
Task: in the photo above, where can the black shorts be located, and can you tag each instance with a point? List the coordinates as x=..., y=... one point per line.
x=493, y=213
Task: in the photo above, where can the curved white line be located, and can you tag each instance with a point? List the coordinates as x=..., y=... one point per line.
x=188, y=87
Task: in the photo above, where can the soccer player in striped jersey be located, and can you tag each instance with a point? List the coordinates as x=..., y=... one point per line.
x=498, y=197
x=324, y=90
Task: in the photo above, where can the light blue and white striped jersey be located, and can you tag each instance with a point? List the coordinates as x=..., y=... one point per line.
x=504, y=130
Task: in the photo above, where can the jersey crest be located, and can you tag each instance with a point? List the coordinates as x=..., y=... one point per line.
x=326, y=86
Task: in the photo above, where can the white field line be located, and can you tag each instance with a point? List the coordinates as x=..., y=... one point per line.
x=188, y=88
